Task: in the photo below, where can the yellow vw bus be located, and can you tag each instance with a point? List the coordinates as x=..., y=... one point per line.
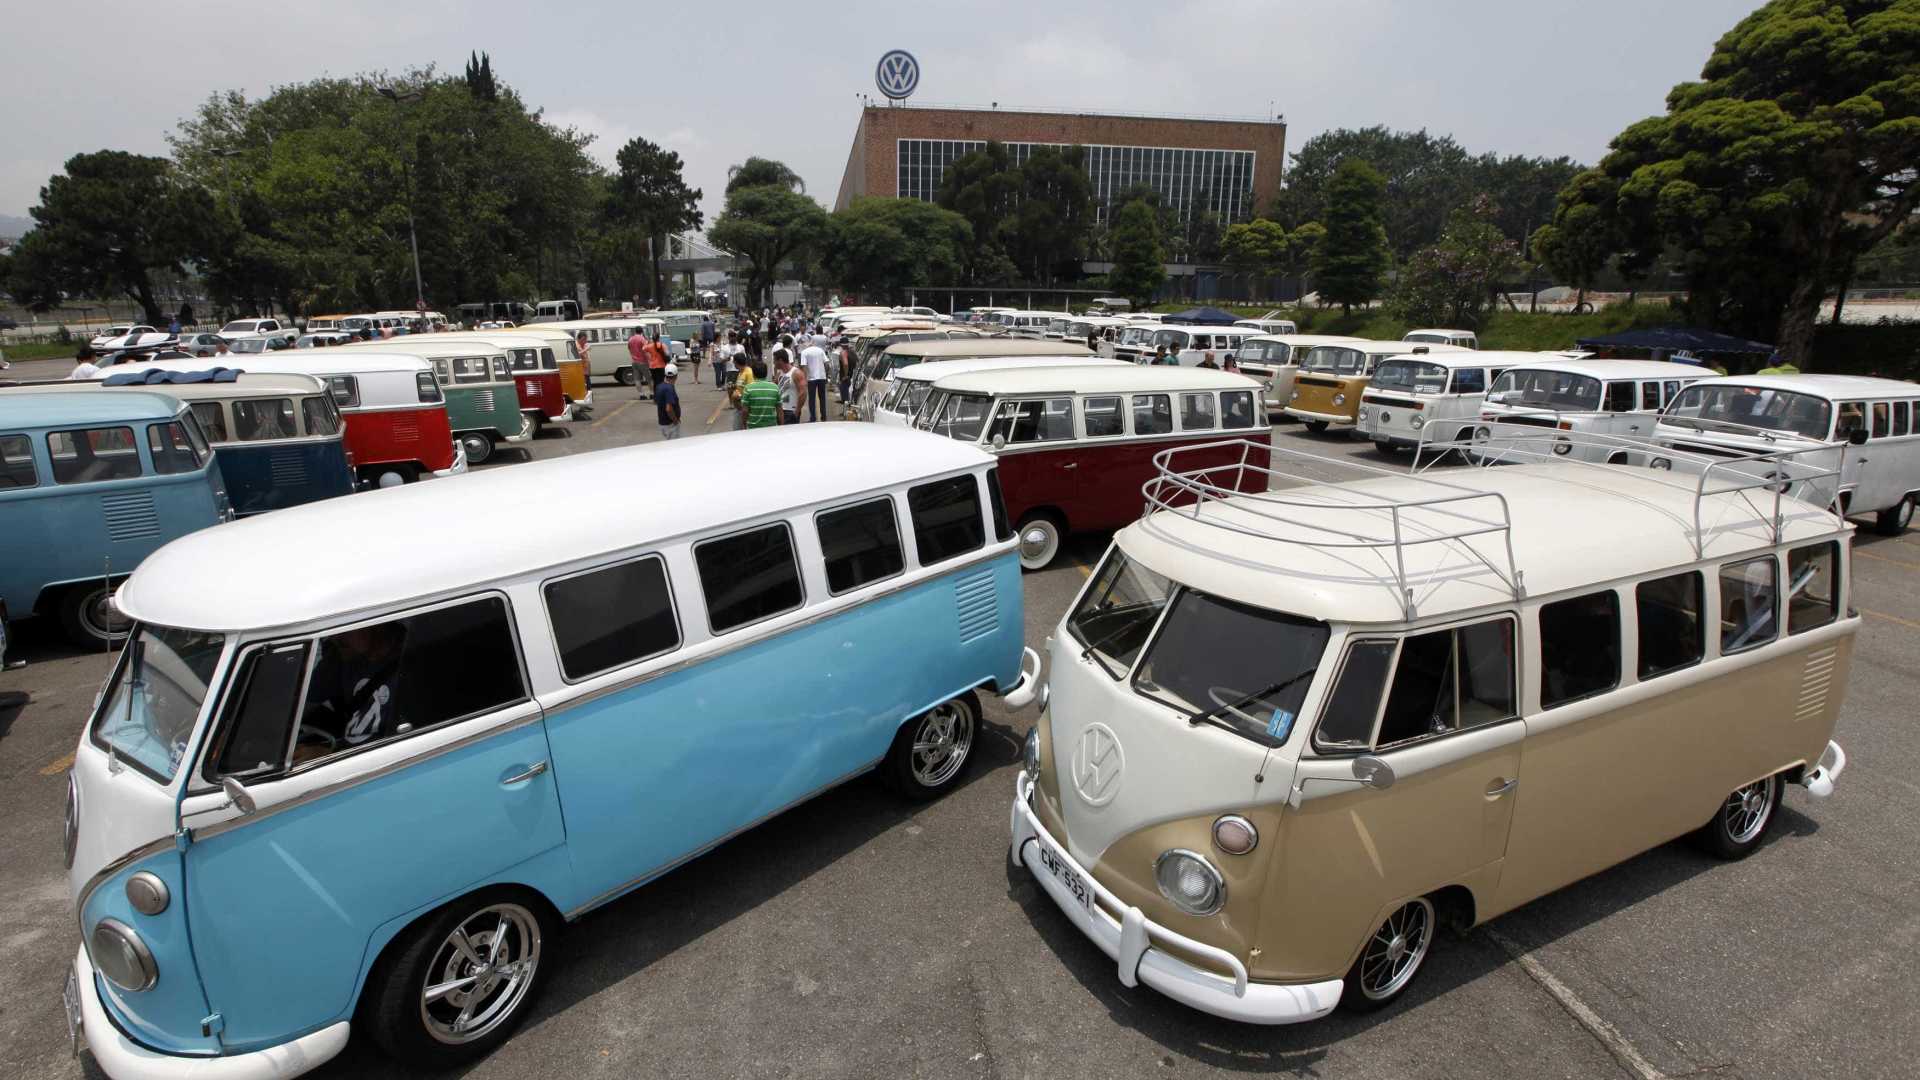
x=1327, y=390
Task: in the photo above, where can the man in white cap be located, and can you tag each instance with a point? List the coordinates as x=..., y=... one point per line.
x=666, y=402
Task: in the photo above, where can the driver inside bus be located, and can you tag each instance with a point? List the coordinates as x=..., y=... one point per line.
x=351, y=700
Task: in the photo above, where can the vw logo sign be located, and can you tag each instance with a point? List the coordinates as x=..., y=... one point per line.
x=897, y=74
x=1097, y=761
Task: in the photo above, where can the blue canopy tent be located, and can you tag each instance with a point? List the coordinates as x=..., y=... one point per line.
x=1662, y=342
x=1203, y=316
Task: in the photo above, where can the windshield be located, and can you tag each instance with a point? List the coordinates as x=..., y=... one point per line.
x=1172, y=339
x=961, y=417
x=1756, y=407
x=249, y=345
x=1274, y=352
x=1247, y=668
x=1410, y=376
x=145, y=721
x=1546, y=390
x=238, y=328
x=1334, y=359
x=1118, y=611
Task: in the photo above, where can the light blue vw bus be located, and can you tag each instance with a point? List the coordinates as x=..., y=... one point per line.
x=91, y=484
x=385, y=781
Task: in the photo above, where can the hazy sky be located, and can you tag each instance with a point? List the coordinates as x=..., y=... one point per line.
x=749, y=77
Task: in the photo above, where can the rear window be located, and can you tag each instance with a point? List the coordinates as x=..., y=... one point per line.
x=946, y=518
x=91, y=455
x=1748, y=594
x=1813, y=594
x=861, y=544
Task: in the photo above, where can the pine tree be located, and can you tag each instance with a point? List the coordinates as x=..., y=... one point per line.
x=1353, y=258
x=480, y=77
x=1138, y=256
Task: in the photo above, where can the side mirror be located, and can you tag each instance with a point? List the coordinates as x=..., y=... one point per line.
x=1858, y=436
x=237, y=794
x=1373, y=772
x=999, y=441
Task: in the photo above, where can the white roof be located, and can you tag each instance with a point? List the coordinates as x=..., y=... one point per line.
x=374, y=549
x=1470, y=358
x=1393, y=348
x=1572, y=525
x=1307, y=340
x=928, y=372
x=1122, y=378
x=476, y=345
x=1448, y=333
x=1832, y=387
x=967, y=345
x=328, y=361
x=1617, y=369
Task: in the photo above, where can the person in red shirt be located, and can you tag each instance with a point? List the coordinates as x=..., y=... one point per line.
x=637, y=353
x=657, y=363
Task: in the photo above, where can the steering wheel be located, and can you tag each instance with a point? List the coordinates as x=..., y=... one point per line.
x=1223, y=696
x=308, y=733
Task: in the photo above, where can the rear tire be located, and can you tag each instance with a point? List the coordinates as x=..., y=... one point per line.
x=1743, y=819
x=931, y=752
x=623, y=376
x=1318, y=427
x=86, y=620
x=490, y=947
x=1894, y=519
x=1039, y=537
x=1392, y=957
x=1385, y=446
x=478, y=444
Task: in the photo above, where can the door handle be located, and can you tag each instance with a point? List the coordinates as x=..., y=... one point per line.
x=1071, y=465
x=533, y=770
x=1497, y=788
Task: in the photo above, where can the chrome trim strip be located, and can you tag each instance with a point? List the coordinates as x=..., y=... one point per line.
x=100, y=876
x=619, y=890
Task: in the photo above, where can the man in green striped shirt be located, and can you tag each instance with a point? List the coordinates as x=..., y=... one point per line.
x=761, y=399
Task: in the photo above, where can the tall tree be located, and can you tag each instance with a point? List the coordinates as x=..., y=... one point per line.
x=1454, y=282
x=880, y=246
x=767, y=223
x=480, y=77
x=1423, y=177
x=108, y=224
x=983, y=186
x=763, y=172
x=1054, y=212
x=1257, y=247
x=1353, y=255
x=1582, y=235
x=650, y=194
x=1139, y=258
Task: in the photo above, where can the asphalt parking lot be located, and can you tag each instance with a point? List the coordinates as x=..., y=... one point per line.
x=862, y=936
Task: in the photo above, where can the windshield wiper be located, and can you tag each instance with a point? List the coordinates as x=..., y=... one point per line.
x=1214, y=713
x=1106, y=639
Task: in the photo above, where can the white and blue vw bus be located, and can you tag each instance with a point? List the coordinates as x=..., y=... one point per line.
x=338, y=783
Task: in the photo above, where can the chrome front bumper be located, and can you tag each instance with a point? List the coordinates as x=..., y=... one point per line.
x=124, y=1059
x=1337, y=419
x=1819, y=780
x=1130, y=941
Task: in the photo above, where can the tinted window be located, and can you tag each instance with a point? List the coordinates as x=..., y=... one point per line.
x=379, y=682
x=1197, y=412
x=1880, y=428
x=861, y=544
x=748, y=577
x=1650, y=396
x=1813, y=594
x=1347, y=723
x=1101, y=416
x=1747, y=593
x=1853, y=417
x=946, y=518
x=1152, y=414
x=254, y=737
x=1671, y=633
x=84, y=457
x=1899, y=418
x=270, y=418
x=1448, y=680
x=346, y=390
x=611, y=616
x=16, y=462
x=171, y=452
x=1236, y=407
x=1619, y=397
x=1033, y=421
x=423, y=384
x=1001, y=530
x=466, y=369
x=1470, y=381
x=213, y=419
x=320, y=416
x=1579, y=647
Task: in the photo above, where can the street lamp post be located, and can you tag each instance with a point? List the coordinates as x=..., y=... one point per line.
x=413, y=237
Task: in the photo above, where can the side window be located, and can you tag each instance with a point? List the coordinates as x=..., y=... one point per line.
x=1650, y=396
x=748, y=577
x=266, y=418
x=1197, y=413
x=1470, y=381
x=319, y=415
x=1101, y=415
x=171, y=452
x=423, y=382
x=1670, y=389
x=1236, y=408
x=946, y=517
x=1900, y=418
x=610, y=616
x=213, y=419
x=1619, y=397
x=1450, y=680
x=16, y=462
x=1853, y=417
x=861, y=544
x=1347, y=721
x=95, y=454
x=346, y=390
x=1033, y=421
x=1152, y=414
x=1001, y=530
x=379, y=682
x=1880, y=427
x=1579, y=647
x=1813, y=586
x=259, y=718
x=1747, y=593
x=1672, y=635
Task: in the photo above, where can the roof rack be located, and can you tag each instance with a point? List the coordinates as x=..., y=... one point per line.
x=1802, y=474
x=1450, y=514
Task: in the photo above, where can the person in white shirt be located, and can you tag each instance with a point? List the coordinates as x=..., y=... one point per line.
x=814, y=359
x=83, y=366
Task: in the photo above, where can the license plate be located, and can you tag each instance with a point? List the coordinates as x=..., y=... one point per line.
x=70, y=997
x=1066, y=875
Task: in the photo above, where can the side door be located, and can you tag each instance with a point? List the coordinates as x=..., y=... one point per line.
x=1099, y=456
x=1440, y=708
x=1881, y=483
x=391, y=765
x=1039, y=468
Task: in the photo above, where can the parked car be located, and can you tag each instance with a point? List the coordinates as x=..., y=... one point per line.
x=406, y=750
x=200, y=344
x=1284, y=743
x=1409, y=392
x=912, y=386
x=8, y=323
x=1326, y=391
x=1599, y=397
x=246, y=328
x=119, y=330
x=322, y=338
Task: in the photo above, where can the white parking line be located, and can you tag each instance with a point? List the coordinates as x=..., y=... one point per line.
x=1609, y=1036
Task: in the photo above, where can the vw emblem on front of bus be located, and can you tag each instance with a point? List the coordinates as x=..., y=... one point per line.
x=897, y=74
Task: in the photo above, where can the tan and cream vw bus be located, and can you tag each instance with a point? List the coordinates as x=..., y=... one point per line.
x=1287, y=734
x=1326, y=392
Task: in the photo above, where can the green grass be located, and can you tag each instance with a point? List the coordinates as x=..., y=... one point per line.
x=32, y=351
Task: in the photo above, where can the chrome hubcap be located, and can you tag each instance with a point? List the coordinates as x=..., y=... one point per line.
x=1747, y=810
x=101, y=617
x=941, y=744
x=1394, y=952
x=1036, y=540
x=481, y=973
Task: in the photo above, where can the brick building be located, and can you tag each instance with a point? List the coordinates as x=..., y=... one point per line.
x=1228, y=167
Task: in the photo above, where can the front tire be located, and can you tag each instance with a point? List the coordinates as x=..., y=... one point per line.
x=1894, y=519
x=1318, y=427
x=478, y=444
x=1392, y=957
x=457, y=984
x=88, y=620
x=1039, y=541
x=1743, y=819
x=929, y=756
x=1384, y=446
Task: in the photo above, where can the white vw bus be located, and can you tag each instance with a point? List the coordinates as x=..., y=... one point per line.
x=1409, y=392
x=344, y=777
x=913, y=386
x=1599, y=397
x=1191, y=344
x=1287, y=733
x=1465, y=339
x=1274, y=359
x=1873, y=423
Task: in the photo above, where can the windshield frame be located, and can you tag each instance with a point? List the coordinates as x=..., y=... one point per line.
x=1414, y=366
x=215, y=650
x=1599, y=391
x=1296, y=684
x=1827, y=410
x=1343, y=352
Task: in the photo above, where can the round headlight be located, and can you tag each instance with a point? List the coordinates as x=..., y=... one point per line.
x=1235, y=835
x=1419, y=421
x=1030, y=755
x=1339, y=399
x=1661, y=463
x=1189, y=882
x=120, y=955
x=1563, y=446
x=71, y=838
